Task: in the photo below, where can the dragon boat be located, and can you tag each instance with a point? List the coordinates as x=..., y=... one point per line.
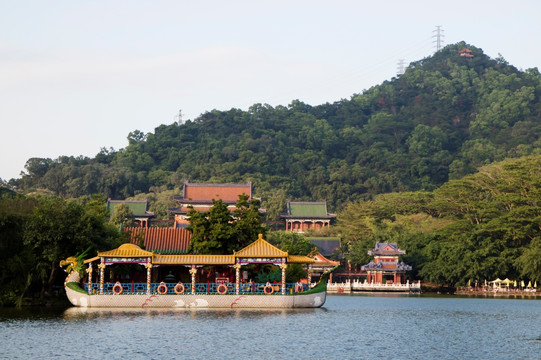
x=208, y=288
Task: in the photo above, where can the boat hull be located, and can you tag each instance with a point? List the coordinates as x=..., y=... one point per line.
x=310, y=300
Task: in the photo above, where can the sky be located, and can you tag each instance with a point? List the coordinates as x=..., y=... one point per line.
x=78, y=76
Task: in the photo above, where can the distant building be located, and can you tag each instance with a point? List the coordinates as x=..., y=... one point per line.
x=200, y=197
x=302, y=216
x=465, y=53
x=322, y=264
x=385, y=268
x=142, y=217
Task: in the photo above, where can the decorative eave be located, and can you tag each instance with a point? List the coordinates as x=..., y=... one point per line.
x=322, y=261
x=194, y=260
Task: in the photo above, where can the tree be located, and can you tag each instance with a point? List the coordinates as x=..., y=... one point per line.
x=122, y=216
x=247, y=224
x=220, y=232
x=212, y=232
x=58, y=229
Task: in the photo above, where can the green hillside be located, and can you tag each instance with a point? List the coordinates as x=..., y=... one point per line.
x=477, y=228
x=444, y=117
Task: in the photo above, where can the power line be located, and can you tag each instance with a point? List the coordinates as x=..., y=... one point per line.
x=439, y=37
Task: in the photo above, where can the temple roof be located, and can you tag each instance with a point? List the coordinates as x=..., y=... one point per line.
x=161, y=240
x=138, y=208
x=307, y=210
x=205, y=193
x=322, y=261
x=386, y=249
x=398, y=266
x=325, y=245
x=261, y=248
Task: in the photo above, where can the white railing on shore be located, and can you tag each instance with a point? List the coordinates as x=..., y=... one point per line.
x=357, y=285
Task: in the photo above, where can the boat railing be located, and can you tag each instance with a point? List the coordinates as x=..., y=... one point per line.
x=208, y=288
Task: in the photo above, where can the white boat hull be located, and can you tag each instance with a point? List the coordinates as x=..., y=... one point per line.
x=310, y=300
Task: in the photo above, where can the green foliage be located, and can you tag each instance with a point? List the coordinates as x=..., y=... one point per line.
x=293, y=243
x=269, y=273
x=220, y=232
x=37, y=232
x=481, y=227
x=122, y=216
x=442, y=119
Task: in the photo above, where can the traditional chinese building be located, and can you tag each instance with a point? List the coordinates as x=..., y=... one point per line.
x=322, y=264
x=386, y=268
x=465, y=53
x=302, y=216
x=200, y=197
x=142, y=217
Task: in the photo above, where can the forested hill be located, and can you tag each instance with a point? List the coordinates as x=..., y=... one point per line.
x=443, y=118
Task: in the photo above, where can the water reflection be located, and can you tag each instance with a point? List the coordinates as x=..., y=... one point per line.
x=347, y=327
x=77, y=313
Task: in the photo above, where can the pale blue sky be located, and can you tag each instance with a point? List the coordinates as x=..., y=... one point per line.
x=76, y=76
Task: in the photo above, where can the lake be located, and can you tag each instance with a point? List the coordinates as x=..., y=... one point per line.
x=347, y=327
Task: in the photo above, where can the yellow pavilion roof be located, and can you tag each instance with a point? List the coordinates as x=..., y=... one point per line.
x=194, y=259
x=261, y=248
x=258, y=249
x=126, y=250
x=299, y=259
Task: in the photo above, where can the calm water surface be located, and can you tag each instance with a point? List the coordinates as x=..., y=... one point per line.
x=347, y=327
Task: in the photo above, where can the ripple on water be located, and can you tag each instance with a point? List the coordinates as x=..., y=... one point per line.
x=347, y=327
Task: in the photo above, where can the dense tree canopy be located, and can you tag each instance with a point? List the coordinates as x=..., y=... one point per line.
x=37, y=232
x=444, y=117
x=481, y=227
x=217, y=231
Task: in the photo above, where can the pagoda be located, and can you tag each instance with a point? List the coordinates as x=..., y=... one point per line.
x=386, y=268
x=467, y=53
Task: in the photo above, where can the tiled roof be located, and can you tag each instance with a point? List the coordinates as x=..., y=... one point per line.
x=322, y=261
x=383, y=266
x=126, y=250
x=261, y=248
x=386, y=249
x=326, y=246
x=299, y=259
x=161, y=240
x=138, y=208
x=208, y=192
x=308, y=210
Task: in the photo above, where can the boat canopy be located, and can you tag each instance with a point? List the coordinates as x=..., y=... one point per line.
x=259, y=251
